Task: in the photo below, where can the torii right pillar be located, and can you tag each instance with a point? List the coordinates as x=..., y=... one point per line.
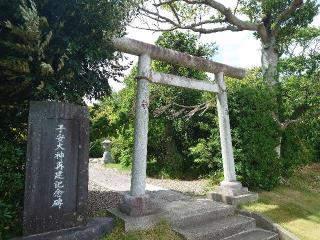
x=230, y=190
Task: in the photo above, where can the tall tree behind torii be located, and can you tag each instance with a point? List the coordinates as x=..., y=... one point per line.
x=274, y=22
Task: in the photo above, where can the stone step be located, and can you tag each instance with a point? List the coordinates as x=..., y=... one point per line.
x=234, y=200
x=217, y=229
x=186, y=213
x=255, y=234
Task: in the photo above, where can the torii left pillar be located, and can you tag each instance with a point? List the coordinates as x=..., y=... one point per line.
x=137, y=203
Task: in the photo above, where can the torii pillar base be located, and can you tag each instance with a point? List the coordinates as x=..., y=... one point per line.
x=233, y=193
x=138, y=206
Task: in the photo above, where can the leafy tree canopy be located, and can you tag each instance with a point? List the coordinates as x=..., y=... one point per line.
x=59, y=50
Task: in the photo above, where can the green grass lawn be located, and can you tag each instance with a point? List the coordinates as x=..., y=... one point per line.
x=119, y=167
x=294, y=205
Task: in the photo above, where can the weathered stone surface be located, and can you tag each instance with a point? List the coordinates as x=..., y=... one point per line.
x=57, y=167
x=139, y=164
x=178, y=81
x=234, y=200
x=217, y=229
x=225, y=130
x=266, y=224
x=196, y=219
x=94, y=230
x=234, y=188
x=255, y=234
x=135, y=223
x=138, y=48
x=232, y=193
x=138, y=206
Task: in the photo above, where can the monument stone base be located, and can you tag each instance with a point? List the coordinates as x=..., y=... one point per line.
x=138, y=206
x=94, y=230
x=232, y=193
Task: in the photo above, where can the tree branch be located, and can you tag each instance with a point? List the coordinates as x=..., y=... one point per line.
x=194, y=26
x=232, y=21
x=175, y=13
x=294, y=5
x=230, y=17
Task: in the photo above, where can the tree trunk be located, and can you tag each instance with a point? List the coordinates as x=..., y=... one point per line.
x=278, y=148
x=269, y=62
x=171, y=146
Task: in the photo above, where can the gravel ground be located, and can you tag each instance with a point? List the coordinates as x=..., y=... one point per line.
x=100, y=199
x=107, y=185
x=194, y=188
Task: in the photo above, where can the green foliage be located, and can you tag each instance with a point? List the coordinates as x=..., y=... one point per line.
x=302, y=53
x=301, y=101
x=114, y=118
x=122, y=147
x=270, y=12
x=96, y=149
x=11, y=187
x=255, y=133
x=60, y=51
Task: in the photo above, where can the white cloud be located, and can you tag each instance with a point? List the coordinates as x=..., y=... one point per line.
x=239, y=49
x=316, y=21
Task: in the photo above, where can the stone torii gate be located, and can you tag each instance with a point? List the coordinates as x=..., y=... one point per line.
x=137, y=203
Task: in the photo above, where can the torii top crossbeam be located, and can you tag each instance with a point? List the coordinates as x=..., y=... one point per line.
x=138, y=48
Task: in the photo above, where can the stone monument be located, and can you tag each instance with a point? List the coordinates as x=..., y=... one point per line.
x=107, y=158
x=56, y=188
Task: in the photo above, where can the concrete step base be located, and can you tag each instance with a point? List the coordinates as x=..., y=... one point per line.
x=201, y=219
x=186, y=213
x=177, y=213
x=233, y=200
x=255, y=234
x=218, y=229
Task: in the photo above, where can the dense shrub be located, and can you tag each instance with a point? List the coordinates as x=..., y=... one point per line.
x=96, y=148
x=12, y=159
x=255, y=133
